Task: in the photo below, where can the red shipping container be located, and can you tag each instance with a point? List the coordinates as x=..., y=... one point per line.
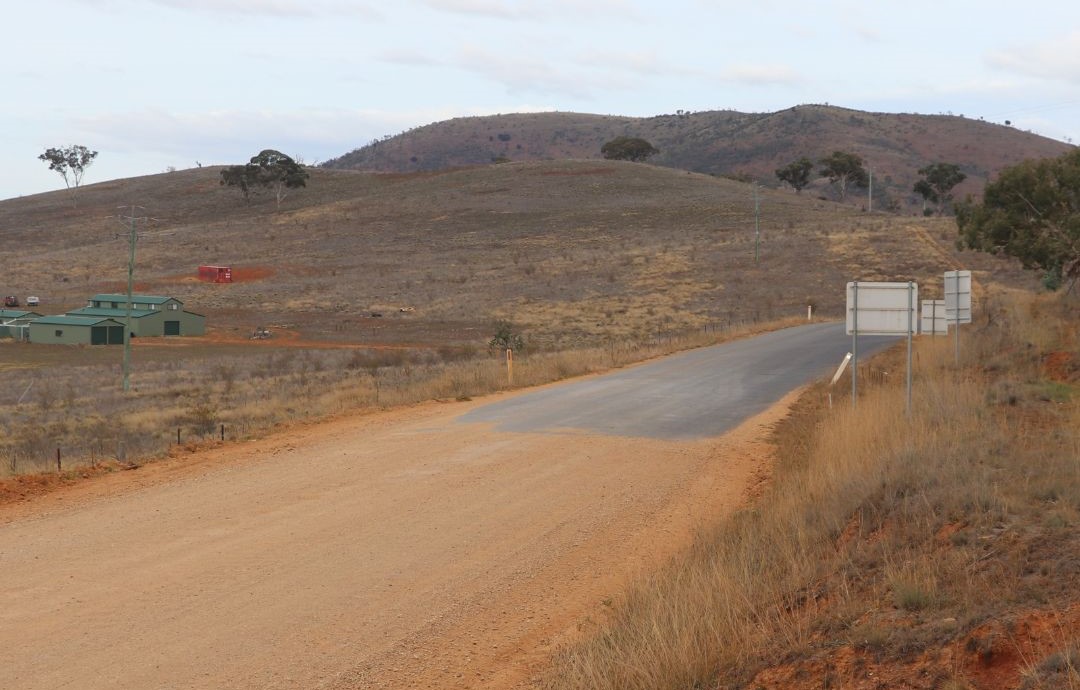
x=216, y=274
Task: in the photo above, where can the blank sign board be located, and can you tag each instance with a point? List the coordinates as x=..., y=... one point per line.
x=958, y=296
x=882, y=308
x=933, y=317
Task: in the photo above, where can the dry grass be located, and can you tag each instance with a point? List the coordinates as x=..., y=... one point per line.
x=881, y=534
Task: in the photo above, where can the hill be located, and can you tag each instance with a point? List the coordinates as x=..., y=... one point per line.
x=728, y=143
x=572, y=251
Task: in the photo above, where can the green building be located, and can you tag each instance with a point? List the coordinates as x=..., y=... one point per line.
x=14, y=323
x=151, y=315
x=76, y=330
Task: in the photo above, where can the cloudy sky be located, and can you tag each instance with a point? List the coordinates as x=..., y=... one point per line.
x=154, y=84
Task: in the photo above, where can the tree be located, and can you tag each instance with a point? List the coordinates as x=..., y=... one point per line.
x=628, y=149
x=1032, y=212
x=506, y=339
x=270, y=169
x=796, y=174
x=938, y=180
x=843, y=169
x=71, y=162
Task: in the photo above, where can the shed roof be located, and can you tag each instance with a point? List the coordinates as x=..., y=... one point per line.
x=142, y=299
x=111, y=313
x=74, y=321
x=16, y=314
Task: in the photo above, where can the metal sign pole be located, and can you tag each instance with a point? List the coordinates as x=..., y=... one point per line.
x=854, y=340
x=956, y=315
x=911, y=311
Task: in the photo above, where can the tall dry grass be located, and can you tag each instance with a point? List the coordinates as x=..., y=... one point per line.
x=967, y=508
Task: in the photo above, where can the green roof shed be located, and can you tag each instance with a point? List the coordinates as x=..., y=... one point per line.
x=76, y=330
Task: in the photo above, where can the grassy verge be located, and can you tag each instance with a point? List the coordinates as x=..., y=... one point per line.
x=922, y=552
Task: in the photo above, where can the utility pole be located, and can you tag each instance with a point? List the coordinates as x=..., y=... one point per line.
x=870, y=194
x=757, y=224
x=131, y=222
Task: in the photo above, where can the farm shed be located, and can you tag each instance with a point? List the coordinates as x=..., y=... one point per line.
x=173, y=319
x=143, y=321
x=76, y=330
x=14, y=322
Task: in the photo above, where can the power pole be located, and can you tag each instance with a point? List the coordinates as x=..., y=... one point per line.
x=870, y=194
x=131, y=222
x=757, y=224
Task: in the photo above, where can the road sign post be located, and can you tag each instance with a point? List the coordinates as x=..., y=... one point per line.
x=958, y=302
x=880, y=309
x=933, y=317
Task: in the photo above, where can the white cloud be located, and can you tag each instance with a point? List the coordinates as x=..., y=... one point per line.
x=1056, y=59
x=523, y=74
x=641, y=62
x=761, y=75
x=267, y=8
x=500, y=9
x=407, y=56
x=536, y=9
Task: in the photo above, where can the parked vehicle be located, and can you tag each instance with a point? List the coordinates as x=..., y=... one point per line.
x=32, y=301
x=11, y=301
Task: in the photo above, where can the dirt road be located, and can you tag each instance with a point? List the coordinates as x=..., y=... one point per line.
x=397, y=550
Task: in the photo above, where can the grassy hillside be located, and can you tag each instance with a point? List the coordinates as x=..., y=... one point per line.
x=572, y=251
x=895, y=146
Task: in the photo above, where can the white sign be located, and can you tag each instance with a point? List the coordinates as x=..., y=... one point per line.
x=958, y=296
x=882, y=308
x=933, y=317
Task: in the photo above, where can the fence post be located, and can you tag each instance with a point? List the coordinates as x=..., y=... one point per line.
x=177, y=435
x=58, y=468
x=223, y=432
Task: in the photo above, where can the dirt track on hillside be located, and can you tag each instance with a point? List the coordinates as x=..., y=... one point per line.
x=386, y=551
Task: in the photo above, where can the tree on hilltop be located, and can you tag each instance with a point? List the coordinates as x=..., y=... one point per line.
x=71, y=162
x=633, y=149
x=796, y=174
x=269, y=169
x=938, y=180
x=843, y=169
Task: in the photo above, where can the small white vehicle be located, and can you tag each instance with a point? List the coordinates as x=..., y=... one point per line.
x=32, y=301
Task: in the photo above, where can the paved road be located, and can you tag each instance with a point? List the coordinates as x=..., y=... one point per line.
x=693, y=395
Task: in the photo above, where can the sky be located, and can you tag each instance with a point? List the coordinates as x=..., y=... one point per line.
x=154, y=85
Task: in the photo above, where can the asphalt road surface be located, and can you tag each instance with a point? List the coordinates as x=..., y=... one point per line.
x=693, y=395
